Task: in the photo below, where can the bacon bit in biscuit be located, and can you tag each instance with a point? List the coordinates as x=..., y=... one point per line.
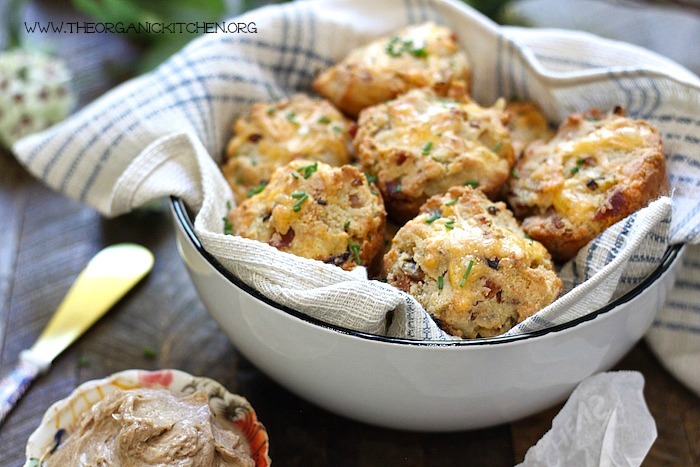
x=613, y=206
x=400, y=158
x=494, y=288
x=255, y=137
x=282, y=241
x=352, y=130
x=412, y=271
x=557, y=222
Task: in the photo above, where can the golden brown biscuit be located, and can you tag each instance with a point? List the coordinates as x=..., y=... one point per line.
x=425, y=55
x=526, y=124
x=420, y=144
x=597, y=170
x=274, y=134
x=313, y=210
x=472, y=268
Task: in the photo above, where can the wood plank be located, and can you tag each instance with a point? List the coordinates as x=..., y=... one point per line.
x=12, y=204
x=57, y=239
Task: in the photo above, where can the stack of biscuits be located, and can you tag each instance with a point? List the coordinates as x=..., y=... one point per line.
x=480, y=200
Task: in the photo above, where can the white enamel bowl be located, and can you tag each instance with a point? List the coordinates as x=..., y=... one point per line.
x=420, y=385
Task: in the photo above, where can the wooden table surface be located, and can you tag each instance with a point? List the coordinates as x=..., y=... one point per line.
x=46, y=239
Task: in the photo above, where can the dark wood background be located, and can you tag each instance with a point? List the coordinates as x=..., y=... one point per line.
x=46, y=239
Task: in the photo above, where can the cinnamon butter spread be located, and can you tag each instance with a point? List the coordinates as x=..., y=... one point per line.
x=150, y=427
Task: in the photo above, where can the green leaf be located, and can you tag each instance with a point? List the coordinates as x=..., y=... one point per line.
x=162, y=50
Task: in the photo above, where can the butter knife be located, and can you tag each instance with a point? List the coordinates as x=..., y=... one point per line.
x=105, y=280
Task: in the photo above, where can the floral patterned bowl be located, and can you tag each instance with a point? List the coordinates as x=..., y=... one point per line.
x=63, y=416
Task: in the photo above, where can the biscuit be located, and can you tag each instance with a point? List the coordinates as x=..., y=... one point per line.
x=274, y=134
x=313, y=210
x=425, y=55
x=598, y=169
x=420, y=144
x=465, y=259
x=526, y=124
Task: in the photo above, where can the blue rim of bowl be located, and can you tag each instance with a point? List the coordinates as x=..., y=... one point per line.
x=182, y=216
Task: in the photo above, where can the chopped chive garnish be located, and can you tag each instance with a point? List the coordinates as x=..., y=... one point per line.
x=149, y=353
x=420, y=53
x=497, y=146
x=449, y=225
x=325, y=120
x=396, y=47
x=228, y=227
x=308, y=170
x=254, y=191
x=426, y=149
x=337, y=129
x=83, y=362
x=355, y=248
x=347, y=226
x=451, y=202
x=291, y=117
x=295, y=175
x=514, y=174
x=440, y=282
x=574, y=170
x=433, y=217
x=300, y=196
x=399, y=188
x=580, y=161
x=391, y=47
x=228, y=205
x=466, y=273
x=374, y=192
x=591, y=119
x=371, y=178
x=472, y=183
x=271, y=111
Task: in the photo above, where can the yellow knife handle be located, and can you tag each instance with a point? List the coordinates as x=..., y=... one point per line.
x=14, y=385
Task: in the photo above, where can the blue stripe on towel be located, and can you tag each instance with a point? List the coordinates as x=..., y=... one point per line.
x=105, y=155
x=117, y=119
x=672, y=304
x=677, y=327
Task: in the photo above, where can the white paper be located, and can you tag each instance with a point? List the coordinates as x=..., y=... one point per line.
x=605, y=422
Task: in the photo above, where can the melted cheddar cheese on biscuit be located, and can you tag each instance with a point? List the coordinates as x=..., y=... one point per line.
x=426, y=55
x=313, y=210
x=420, y=144
x=466, y=260
x=597, y=170
x=273, y=135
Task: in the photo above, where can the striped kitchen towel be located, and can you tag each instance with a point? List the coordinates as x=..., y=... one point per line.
x=163, y=133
